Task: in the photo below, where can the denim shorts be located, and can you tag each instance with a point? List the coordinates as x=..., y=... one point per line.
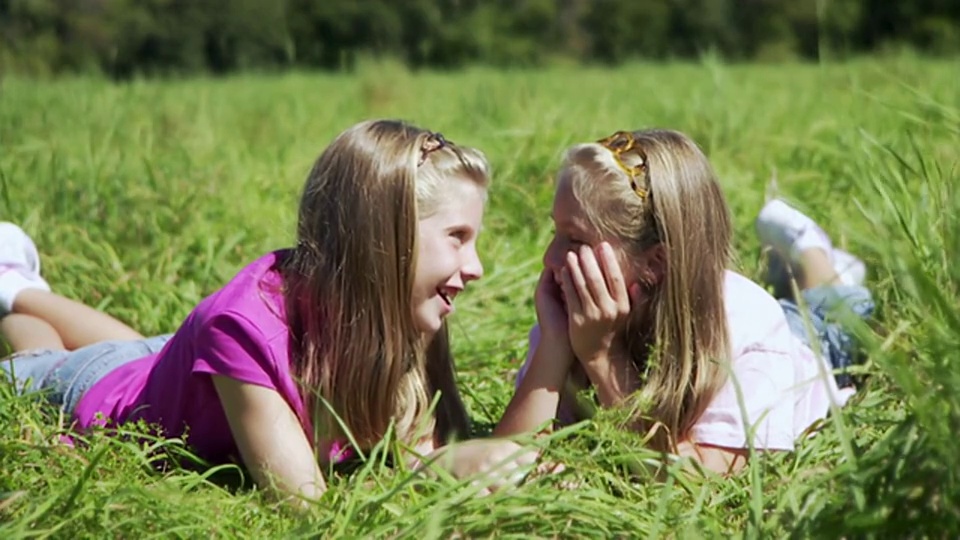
x=64, y=376
x=815, y=320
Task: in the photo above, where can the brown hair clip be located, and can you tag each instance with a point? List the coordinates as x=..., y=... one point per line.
x=623, y=142
x=433, y=142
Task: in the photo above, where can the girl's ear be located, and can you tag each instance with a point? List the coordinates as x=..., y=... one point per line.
x=655, y=265
x=635, y=290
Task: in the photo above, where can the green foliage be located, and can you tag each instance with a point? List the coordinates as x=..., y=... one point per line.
x=144, y=197
x=127, y=38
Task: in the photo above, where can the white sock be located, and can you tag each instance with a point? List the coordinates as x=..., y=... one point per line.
x=12, y=283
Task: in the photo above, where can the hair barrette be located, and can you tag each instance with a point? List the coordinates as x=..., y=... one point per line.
x=623, y=142
x=432, y=143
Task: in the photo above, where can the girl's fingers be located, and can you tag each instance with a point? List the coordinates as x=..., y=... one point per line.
x=615, y=282
x=512, y=469
x=550, y=467
x=596, y=282
x=570, y=292
x=546, y=284
x=579, y=281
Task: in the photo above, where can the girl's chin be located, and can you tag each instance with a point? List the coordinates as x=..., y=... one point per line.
x=429, y=326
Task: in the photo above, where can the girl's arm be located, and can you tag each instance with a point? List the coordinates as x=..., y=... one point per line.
x=613, y=376
x=536, y=399
x=270, y=438
x=715, y=458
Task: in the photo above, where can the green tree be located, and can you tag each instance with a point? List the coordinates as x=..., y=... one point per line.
x=620, y=29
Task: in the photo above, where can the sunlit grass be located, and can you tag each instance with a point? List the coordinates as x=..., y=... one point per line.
x=145, y=197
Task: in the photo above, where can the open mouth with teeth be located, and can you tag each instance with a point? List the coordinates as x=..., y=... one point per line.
x=446, y=297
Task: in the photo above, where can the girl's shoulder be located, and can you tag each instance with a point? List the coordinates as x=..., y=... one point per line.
x=755, y=318
x=255, y=293
x=743, y=295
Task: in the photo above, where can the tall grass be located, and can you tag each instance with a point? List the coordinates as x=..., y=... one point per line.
x=147, y=196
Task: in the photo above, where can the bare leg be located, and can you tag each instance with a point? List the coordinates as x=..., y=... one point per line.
x=25, y=332
x=77, y=324
x=796, y=238
x=816, y=269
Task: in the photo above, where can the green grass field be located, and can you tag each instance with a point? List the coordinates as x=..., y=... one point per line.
x=147, y=196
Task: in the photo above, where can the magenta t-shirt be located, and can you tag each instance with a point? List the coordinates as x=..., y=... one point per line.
x=239, y=332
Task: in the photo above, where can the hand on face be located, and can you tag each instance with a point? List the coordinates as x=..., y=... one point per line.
x=597, y=300
x=551, y=313
x=552, y=318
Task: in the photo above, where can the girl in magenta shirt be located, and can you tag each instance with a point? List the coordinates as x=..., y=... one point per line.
x=352, y=316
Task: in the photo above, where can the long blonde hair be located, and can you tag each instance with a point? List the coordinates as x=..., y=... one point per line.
x=680, y=343
x=348, y=284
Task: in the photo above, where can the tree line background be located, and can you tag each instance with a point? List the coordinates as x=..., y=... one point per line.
x=124, y=38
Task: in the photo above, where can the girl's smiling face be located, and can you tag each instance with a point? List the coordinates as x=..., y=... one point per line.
x=572, y=230
x=447, y=256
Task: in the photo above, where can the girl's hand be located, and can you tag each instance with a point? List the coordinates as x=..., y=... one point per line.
x=490, y=464
x=551, y=313
x=598, y=302
x=553, y=337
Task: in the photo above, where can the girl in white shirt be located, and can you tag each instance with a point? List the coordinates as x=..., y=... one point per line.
x=636, y=301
